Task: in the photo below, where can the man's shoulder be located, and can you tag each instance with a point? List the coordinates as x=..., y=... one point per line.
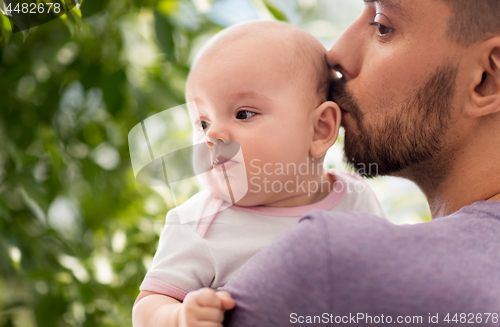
x=363, y=229
x=342, y=263
x=453, y=259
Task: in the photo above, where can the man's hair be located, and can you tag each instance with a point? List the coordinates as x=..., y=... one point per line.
x=473, y=20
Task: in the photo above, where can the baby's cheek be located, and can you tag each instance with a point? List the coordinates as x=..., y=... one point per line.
x=204, y=181
x=216, y=185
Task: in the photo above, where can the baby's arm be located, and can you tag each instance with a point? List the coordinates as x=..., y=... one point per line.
x=203, y=307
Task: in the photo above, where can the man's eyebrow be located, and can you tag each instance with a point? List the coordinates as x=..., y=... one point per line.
x=393, y=5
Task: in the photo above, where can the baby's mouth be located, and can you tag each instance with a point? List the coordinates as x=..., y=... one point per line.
x=223, y=164
x=219, y=161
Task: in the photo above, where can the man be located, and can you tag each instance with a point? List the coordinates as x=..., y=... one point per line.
x=420, y=95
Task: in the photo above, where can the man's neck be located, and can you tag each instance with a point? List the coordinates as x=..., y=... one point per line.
x=472, y=177
x=494, y=198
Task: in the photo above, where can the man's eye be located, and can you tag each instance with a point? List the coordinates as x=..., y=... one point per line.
x=381, y=29
x=244, y=114
x=204, y=125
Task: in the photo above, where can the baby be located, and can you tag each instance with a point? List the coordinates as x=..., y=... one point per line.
x=260, y=89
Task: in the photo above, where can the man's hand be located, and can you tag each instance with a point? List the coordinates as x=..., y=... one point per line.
x=205, y=307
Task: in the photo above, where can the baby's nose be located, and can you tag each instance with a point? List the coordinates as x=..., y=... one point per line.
x=214, y=143
x=217, y=147
x=222, y=148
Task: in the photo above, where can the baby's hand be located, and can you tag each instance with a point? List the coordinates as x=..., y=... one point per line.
x=205, y=307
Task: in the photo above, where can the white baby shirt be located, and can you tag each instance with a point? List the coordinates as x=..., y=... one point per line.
x=206, y=252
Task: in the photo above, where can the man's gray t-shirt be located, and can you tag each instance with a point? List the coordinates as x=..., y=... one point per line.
x=333, y=267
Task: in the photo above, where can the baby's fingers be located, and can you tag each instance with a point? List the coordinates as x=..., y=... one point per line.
x=206, y=298
x=208, y=314
x=226, y=300
x=208, y=324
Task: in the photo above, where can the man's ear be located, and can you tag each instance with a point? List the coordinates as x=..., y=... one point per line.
x=486, y=94
x=326, y=123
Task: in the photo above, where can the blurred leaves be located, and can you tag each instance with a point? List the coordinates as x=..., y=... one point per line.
x=91, y=7
x=76, y=231
x=26, y=14
x=164, y=32
x=19, y=20
x=275, y=12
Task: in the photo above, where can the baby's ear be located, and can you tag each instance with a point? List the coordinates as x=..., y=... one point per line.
x=326, y=124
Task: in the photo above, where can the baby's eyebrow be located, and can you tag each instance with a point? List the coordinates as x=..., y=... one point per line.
x=249, y=95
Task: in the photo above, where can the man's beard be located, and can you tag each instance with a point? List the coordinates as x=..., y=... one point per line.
x=413, y=136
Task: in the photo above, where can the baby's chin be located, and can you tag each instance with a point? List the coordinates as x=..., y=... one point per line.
x=228, y=188
x=245, y=201
x=258, y=199
x=242, y=200
x=248, y=201
x=242, y=194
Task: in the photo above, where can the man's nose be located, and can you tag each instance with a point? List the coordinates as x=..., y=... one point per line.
x=347, y=54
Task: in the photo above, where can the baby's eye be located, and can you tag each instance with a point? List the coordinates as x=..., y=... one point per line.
x=244, y=114
x=204, y=125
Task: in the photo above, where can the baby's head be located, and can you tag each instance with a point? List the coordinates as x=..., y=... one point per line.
x=265, y=86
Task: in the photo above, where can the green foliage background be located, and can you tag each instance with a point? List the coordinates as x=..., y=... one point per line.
x=76, y=231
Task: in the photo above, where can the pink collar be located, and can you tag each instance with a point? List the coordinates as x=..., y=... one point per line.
x=329, y=202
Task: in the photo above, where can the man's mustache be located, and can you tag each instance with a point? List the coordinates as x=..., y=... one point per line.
x=340, y=94
x=337, y=89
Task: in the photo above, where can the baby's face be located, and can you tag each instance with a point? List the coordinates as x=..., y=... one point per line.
x=251, y=97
